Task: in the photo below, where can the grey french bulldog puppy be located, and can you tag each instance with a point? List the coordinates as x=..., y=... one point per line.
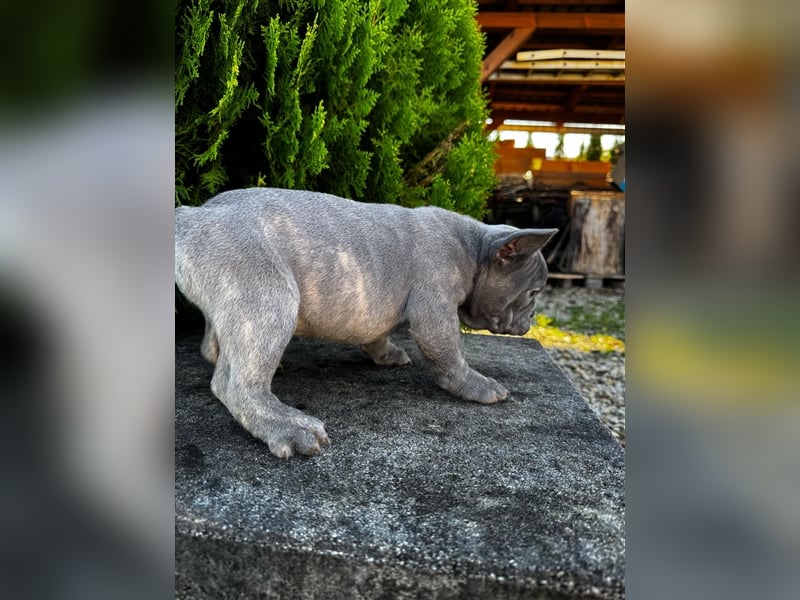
x=265, y=264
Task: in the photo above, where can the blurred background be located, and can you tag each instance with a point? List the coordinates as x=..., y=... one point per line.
x=86, y=300
x=712, y=91
x=712, y=261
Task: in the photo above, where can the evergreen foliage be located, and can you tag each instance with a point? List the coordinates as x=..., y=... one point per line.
x=559, y=151
x=375, y=100
x=595, y=149
x=582, y=152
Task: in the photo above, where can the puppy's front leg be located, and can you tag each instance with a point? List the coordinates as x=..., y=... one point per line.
x=435, y=328
x=251, y=333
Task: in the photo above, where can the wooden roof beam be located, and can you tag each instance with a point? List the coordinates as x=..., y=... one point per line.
x=504, y=20
x=568, y=2
x=504, y=49
x=586, y=22
x=575, y=97
x=551, y=2
x=539, y=106
x=532, y=112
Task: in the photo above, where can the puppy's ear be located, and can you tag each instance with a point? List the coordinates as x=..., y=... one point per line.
x=522, y=243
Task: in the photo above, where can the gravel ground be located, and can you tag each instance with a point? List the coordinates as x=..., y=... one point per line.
x=599, y=376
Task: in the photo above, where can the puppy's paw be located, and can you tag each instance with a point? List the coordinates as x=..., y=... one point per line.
x=477, y=388
x=488, y=393
x=297, y=434
x=387, y=354
x=396, y=357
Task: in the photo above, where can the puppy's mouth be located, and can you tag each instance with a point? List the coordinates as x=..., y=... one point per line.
x=497, y=325
x=491, y=323
x=509, y=330
x=517, y=331
x=473, y=323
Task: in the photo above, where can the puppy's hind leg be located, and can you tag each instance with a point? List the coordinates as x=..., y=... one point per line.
x=209, y=348
x=384, y=352
x=253, y=329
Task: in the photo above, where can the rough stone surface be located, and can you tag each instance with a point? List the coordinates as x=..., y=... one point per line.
x=598, y=376
x=419, y=495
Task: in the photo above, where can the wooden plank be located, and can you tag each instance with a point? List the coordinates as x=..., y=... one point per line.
x=565, y=65
x=563, y=280
x=517, y=160
x=555, y=128
x=504, y=49
x=570, y=77
x=566, y=280
x=571, y=54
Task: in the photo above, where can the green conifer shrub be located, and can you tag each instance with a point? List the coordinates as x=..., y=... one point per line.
x=375, y=100
x=595, y=149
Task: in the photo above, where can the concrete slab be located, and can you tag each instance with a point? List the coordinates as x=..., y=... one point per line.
x=419, y=495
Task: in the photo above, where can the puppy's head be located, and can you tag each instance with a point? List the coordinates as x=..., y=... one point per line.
x=511, y=272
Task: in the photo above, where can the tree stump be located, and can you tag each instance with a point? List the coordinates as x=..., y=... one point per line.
x=596, y=244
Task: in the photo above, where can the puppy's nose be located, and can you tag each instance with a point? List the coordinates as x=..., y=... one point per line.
x=521, y=329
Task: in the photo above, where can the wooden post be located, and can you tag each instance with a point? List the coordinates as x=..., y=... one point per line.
x=597, y=242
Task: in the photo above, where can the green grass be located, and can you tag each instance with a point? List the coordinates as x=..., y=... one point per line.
x=595, y=318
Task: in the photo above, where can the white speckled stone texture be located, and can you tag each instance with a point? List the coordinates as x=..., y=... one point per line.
x=419, y=494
